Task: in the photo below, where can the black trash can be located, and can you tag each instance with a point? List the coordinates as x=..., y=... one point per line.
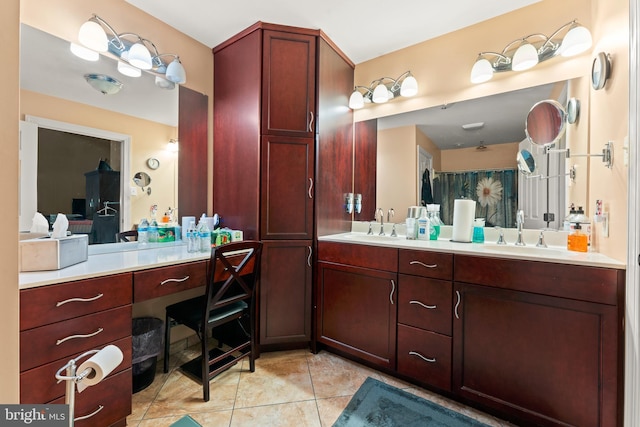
x=148, y=337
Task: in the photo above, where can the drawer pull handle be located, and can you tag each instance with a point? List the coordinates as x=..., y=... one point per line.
x=393, y=289
x=84, y=417
x=423, y=264
x=164, y=282
x=70, y=337
x=310, y=121
x=457, y=304
x=309, y=257
x=310, y=188
x=59, y=303
x=426, y=359
x=430, y=307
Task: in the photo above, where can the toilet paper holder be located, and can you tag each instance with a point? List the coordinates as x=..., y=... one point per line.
x=72, y=378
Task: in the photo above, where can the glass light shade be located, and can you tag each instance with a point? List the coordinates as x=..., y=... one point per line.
x=380, y=94
x=139, y=56
x=164, y=83
x=83, y=52
x=92, y=35
x=103, y=83
x=577, y=40
x=526, y=56
x=482, y=71
x=172, y=146
x=409, y=86
x=175, y=72
x=356, y=100
x=128, y=70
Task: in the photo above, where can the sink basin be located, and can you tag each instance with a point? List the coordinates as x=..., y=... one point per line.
x=373, y=237
x=528, y=250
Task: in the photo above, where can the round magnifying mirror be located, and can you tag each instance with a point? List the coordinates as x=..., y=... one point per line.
x=546, y=122
x=142, y=179
x=526, y=162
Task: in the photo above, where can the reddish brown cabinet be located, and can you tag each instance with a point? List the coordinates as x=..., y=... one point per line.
x=287, y=188
x=276, y=93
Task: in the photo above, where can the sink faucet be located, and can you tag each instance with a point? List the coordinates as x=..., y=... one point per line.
x=380, y=212
x=520, y=223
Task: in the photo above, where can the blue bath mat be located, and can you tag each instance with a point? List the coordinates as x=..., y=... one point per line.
x=186, y=421
x=377, y=404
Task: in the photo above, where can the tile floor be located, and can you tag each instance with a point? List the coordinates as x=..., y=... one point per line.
x=292, y=388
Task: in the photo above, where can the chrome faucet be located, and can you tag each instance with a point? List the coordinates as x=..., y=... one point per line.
x=520, y=224
x=501, y=240
x=541, y=243
x=380, y=212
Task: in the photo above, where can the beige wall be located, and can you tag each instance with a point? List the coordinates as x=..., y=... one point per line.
x=496, y=156
x=442, y=66
x=148, y=139
x=9, y=116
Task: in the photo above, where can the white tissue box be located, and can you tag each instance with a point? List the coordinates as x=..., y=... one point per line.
x=52, y=254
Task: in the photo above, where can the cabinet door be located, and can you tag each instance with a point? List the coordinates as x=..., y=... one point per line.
x=287, y=188
x=365, y=166
x=288, y=85
x=356, y=312
x=285, y=292
x=548, y=360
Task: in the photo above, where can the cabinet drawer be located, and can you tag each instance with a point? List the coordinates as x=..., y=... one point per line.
x=51, y=342
x=425, y=263
x=109, y=401
x=425, y=303
x=376, y=257
x=425, y=356
x=50, y=304
x=39, y=385
x=162, y=281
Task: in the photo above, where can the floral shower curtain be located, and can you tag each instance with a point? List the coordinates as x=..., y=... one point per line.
x=495, y=191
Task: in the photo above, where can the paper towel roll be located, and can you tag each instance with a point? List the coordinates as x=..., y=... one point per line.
x=464, y=212
x=100, y=365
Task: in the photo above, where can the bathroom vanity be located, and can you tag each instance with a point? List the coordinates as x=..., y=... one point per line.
x=534, y=337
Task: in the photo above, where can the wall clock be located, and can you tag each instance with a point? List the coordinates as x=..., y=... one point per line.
x=600, y=70
x=153, y=163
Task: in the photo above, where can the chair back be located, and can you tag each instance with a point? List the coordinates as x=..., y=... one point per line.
x=125, y=236
x=234, y=272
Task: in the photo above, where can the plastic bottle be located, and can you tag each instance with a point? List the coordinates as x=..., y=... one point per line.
x=577, y=240
x=205, y=235
x=434, y=221
x=438, y=221
x=566, y=224
x=423, y=226
x=192, y=240
x=153, y=231
x=143, y=231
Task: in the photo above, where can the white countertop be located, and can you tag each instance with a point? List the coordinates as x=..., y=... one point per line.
x=115, y=258
x=553, y=253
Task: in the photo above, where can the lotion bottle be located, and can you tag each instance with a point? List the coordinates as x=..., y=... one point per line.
x=423, y=226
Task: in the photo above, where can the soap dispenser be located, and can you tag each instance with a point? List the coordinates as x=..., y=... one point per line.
x=577, y=241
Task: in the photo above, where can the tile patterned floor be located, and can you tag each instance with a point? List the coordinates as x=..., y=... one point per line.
x=293, y=388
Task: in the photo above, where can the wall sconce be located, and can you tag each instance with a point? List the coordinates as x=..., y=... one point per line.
x=384, y=89
x=524, y=53
x=172, y=146
x=134, y=52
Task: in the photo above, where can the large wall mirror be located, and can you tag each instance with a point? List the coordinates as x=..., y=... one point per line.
x=81, y=147
x=469, y=149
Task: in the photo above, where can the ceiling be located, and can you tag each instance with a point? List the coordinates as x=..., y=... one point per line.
x=363, y=29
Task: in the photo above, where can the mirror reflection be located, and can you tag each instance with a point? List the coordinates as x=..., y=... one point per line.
x=546, y=122
x=142, y=179
x=134, y=123
x=526, y=162
x=470, y=148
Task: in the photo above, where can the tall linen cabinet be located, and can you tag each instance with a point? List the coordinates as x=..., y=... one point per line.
x=282, y=153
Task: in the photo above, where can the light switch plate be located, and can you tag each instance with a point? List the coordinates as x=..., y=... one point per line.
x=134, y=191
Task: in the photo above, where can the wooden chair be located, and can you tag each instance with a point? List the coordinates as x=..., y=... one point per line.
x=125, y=236
x=225, y=313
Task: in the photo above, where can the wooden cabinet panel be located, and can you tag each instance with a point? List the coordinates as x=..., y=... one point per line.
x=375, y=257
x=39, y=384
x=162, y=281
x=425, y=303
x=365, y=167
x=356, y=312
x=288, y=83
x=54, y=341
x=425, y=356
x=287, y=188
x=53, y=303
x=548, y=360
x=285, y=292
x=109, y=401
x=426, y=263
x=568, y=281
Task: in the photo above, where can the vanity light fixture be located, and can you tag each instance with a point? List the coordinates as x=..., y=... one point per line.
x=384, y=89
x=525, y=53
x=133, y=52
x=172, y=146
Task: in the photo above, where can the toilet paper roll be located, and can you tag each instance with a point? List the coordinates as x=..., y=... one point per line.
x=464, y=212
x=100, y=365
